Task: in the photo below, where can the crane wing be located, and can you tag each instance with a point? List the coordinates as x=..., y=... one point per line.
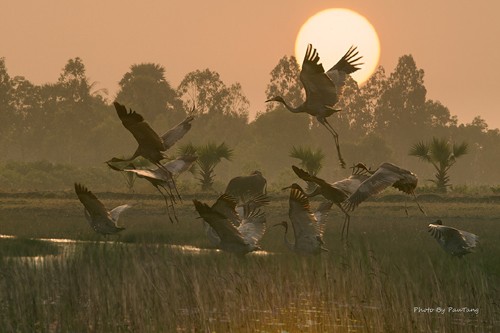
x=93, y=205
x=407, y=181
x=321, y=214
x=376, y=183
x=454, y=241
x=149, y=174
x=320, y=89
x=303, y=220
x=332, y=190
x=98, y=216
x=221, y=224
x=306, y=176
x=252, y=227
x=140, y=129
x=115, y=212
x=251, y=205
x=175, y=167
x=345, y=66
x=177, y=132
x=351, y=184
x=226, y=206
x=180, y=164
x=470, y=238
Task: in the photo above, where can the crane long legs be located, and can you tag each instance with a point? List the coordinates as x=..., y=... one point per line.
x=169, y=204
x=345, y=226
x=336, y=137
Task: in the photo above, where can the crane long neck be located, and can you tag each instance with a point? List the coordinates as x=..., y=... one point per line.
x=291, y=108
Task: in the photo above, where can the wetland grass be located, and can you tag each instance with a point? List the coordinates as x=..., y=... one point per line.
x=139, y=283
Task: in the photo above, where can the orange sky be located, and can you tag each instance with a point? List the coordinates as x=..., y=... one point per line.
x=455, y=42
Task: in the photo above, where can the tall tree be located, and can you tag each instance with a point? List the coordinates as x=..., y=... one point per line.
x=69, y=109
x=442, y=154
x=7, y=112
x=285, y=82
x=144, y=88
x=371, y=91
x=400, y=113
x=211, y=95
x=354, y=121
x=28, y=128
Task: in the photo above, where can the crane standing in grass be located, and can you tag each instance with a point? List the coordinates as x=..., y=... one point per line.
x=323, y=89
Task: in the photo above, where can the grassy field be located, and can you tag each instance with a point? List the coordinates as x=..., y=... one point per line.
x=162, y=277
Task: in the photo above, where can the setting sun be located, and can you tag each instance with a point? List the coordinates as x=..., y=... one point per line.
x=332, y=32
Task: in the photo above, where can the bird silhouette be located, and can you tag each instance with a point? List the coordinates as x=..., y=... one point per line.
x=308, y=227
x=323, y=89
x=387, y=174
x=162, y=180
x=99, y=218
x=151, y=146
x=228, y=230
x=455, y=242
x=331, y=192
x=237, y=213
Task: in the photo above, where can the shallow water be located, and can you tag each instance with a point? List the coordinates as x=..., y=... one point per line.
x=68, y=247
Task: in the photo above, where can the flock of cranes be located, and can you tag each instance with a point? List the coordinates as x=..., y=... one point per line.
x=236, y=222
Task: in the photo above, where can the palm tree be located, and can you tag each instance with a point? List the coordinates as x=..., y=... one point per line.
x=442, y=154
x=310, y=160
x=209, y=156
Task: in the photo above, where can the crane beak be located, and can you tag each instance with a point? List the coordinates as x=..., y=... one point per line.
x=274, y=99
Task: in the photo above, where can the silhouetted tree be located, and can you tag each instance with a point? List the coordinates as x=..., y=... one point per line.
x=371, y=91
x=400, y=114
x=8, y=116
x=145, y=89
x=371, y=150
x=354, y=121
x=285, y=82
x=439, y=115
x=28, y=128
x=212, y=96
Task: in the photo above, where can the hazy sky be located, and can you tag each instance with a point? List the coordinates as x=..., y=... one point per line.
x=455, y=42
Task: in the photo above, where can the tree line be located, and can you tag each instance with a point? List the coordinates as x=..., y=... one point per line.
x=71, y=122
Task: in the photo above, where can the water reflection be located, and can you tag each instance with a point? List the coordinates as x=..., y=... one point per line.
x=67, y=247
x=7, y=236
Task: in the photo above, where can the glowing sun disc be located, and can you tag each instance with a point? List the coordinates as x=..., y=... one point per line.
x=332, y=32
